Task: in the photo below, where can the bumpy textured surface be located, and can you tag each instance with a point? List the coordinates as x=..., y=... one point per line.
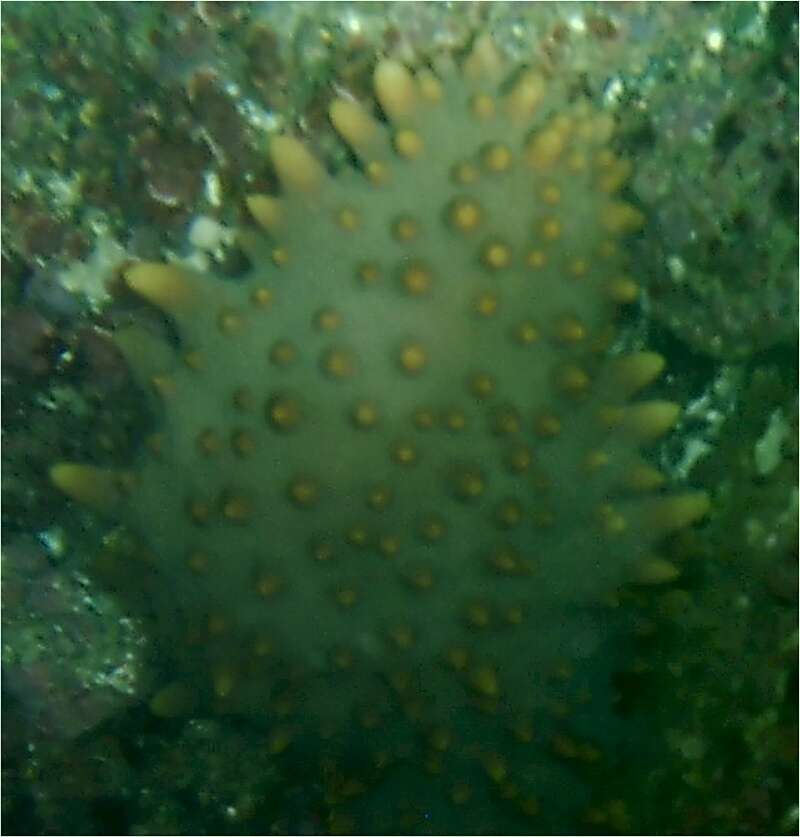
x=398, y=479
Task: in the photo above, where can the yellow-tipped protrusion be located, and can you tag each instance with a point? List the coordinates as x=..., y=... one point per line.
x=358, y=129
x=668, y=514
x=237, y=508
x=297, y=168
x=643, y=477
x=525, y=97
x=408, y=144
x=416, y=279
x=572, y=380
x=465, y=215
x=469, y=484
x=460, y=794
x=224, y=682
x=167, y=286
x=303, y=492
x=338, y=363
x=632, y=373
x=379, y=497
x=86, y=484
x=482, y=106
x=413, y=358
x=173, y=700
x=279, y=739
x=484, y=62
x=497, y=158
x=569, y=330
x=545, y=148
x=496, y=255
x=284, y=412
x=496, y=768
x=622, y=290
x=430, y=87
x=483, y=680
x=620, y=218
x=613, y=178
x=654, y=571
x=266, y=210
x=396, y=90
x=365, y=415
x=650, y=420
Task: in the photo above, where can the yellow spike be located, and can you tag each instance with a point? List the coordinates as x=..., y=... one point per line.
x=346, y=596
x=622, y=290
x=429, y=87
x=569, y=330
x=484, y=62
x=478, y=615
x=650, y=419
x=388, y=545
x=284, y=412
x=643, y=477
x=482, y=106
x=545, y=148
x=163, y=385
x=354, y=125
x=378, y=173
x=338, y=363
x=457, y=658
x=86, y=484
x=612, y=523
x=166, y=286
x=631, y=373
x=572, y=380
x=508, y=514
x=484, y=681
x=237, y=508
x=440, y=739
x=496, y=768
x=547, y=425
x=395, y=89
x=379, y=497
x=465, y=215
x=173, y=700
x=279, y=740
x=365, y=415
x=529, y=806
x=614, y=178
x=433, y=529
x=468, y=483
x=297, y=168
x=525, y=96
x=224, y=681
x=496, y=255
x=408, y=144
x=601, y=128
x=655, y=571
x=209, y=442
x=402, y=636
x=460, y=794
x=620, y=218
x=266, y=210
x=303, y=491
x=668, y=514
x=497, y=158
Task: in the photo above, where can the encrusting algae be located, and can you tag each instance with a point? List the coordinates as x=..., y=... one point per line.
x=398, y=475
